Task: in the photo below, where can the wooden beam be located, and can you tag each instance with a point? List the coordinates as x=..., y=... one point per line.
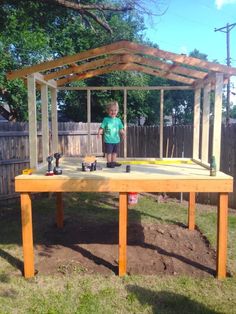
x=41, y=80
x=161, y=122
x=89, y=121
x=123, y=206
x=216, y=145
x=125, y=67
x=179, y=58
x=127, y=87
x=205, y=123
x=33, y=145
x=54, y=124
x=27, y=235
x=45, y=122
x=92, y=53
x=196, y=123
x=125, y=123
x=222, y=234
x=82, y=67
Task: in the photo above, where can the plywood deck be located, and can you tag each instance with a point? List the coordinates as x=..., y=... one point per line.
x=175, y=176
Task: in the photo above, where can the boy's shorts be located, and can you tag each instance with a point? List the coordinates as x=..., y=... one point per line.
x=111, y=148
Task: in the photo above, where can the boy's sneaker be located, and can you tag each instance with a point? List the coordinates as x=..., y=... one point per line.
x=116, y=164
x=110, y=165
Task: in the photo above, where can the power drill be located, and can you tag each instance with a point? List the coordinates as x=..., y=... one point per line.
x=49, y=171
x=57, y=170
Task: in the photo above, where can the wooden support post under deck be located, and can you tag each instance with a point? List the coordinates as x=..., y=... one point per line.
x=222, y=230
x=27, y=235
x=191, y=211
x=161, y=122
x=59, y=211
x=123, y=206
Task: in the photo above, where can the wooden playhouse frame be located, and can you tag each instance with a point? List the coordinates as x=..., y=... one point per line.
x=192, y=73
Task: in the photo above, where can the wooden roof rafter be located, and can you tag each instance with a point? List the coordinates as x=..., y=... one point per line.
x=125, y=56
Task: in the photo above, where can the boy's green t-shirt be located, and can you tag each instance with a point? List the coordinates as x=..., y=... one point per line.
x=112, y=127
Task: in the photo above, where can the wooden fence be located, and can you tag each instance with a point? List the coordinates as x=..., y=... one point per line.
x=142, y=142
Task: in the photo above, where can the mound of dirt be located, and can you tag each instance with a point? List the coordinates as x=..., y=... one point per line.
x=152, y=249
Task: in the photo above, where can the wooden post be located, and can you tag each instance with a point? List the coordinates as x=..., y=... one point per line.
x=217, y=119
x=161, y=122
x=191, y=211
x=33, y=146
x=89, y=120
x=222, y=230
x=45, y=127
x=205, y=123
x=196, y=123
x=123, y=205
x=27, y=235
x=59, y=211
x=125, y=122
x=54, y=120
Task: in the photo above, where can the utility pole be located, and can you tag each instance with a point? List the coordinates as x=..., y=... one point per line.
x=226, y=29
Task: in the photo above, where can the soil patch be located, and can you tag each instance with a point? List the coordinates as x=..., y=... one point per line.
x=152, y=249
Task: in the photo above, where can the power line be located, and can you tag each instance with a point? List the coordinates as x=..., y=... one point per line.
x=226, y=29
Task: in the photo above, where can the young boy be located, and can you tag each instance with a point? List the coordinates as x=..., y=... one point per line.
x=112, y=128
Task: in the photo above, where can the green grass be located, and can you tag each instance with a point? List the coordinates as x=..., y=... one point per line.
x=78, y=292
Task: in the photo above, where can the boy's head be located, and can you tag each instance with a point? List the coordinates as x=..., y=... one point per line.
x=112, y=109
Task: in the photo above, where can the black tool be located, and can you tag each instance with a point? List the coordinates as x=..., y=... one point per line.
x=57, y=170
x=128, y=168
x=49, y=171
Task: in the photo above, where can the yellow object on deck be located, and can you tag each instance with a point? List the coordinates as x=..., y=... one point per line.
x=156, y=162
x=27, y=171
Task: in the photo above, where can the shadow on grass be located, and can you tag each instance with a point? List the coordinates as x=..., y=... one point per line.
x=167, y=302
x=15, y=262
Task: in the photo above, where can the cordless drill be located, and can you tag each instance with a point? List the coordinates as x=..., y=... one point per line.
x=57, y=170
x=49, y=171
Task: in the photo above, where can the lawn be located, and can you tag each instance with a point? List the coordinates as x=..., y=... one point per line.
x=78, y=292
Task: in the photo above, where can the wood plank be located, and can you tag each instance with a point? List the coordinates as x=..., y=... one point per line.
x=196, y=123
x=127, y=87
x=89, y=121
x=125, y=123
x=92, y=53
x=216, y=142
x=205, y=123
x=161, y=123
x=54, y=125
x=45, y=122
x=222, y=230
x=191, y=211
x=33, y=146
x=125, y=67
x=27, y=235
x=123, y=205
x=179, y=58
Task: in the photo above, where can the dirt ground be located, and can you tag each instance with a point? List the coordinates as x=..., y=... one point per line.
x=152, y=249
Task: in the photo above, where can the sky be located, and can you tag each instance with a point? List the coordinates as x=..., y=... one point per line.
x=186, y=25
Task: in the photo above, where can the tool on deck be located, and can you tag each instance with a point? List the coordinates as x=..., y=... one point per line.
x=49, y=171
x=27, y=171
x=89, y=163
x=57, y=170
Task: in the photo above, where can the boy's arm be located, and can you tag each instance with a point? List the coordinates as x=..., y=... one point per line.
x=100, y=132
x=122, y=133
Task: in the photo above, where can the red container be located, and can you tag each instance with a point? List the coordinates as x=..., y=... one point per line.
x=132, y=198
